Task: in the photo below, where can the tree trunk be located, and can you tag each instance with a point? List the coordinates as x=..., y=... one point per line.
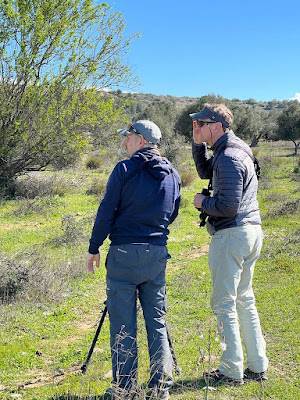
x=255, y=140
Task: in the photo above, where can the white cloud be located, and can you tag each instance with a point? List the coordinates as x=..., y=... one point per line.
x=296, y=97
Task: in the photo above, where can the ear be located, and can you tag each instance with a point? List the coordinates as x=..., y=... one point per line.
x=141, y=142
x=219, y=126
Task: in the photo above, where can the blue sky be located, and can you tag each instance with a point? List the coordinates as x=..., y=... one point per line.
x=235, y=48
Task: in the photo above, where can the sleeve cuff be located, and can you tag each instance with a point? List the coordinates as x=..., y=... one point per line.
x=197, y=144
x=93, y=248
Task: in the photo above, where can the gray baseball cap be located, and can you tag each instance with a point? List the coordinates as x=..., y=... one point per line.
x=148, y=129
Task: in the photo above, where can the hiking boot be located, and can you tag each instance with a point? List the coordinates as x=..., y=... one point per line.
x=255, y=376
x=215, y=376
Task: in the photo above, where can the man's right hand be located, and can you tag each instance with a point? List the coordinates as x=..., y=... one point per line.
x=196, y=133
x=91, y=261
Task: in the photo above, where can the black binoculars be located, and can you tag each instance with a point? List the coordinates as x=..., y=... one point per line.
x=203, y=216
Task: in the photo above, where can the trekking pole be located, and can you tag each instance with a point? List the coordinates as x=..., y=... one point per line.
x=85, y=365
x=177, y=369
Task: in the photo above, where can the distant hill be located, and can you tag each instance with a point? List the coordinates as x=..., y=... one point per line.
x=142, y=100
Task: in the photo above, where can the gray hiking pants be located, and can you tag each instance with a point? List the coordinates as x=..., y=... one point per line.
x=138, y=270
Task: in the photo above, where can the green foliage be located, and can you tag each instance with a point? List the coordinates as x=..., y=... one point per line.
x=289, y=124
x=246, y=122
x=51, y=52
x=252, y=120
x=164, y=114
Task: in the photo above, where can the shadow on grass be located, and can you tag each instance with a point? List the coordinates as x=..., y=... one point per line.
x=180, y=386
x=186, y=385
x=75, y=397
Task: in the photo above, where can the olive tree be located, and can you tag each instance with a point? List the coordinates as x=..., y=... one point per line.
x=289, y=125
x=55, y=57
x=164, y=114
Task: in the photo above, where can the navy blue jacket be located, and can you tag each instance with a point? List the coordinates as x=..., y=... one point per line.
x=142, y=199
x=234, y=201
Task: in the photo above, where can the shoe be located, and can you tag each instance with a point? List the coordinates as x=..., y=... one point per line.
x=255, y=376
x=155, y=394
x=163, y=395
x=215, y=376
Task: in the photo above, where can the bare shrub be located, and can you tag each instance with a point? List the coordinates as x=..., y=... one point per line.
x=36, y=277
x=296, y=169
x=97, y=187
x=296, y=178
x=274, y=197
x=184, y=202
x=288, y=207
x=40, y=185
x=13, y=276
x=172, y=148
x=187, y=176
x=264, y=183
x=255, y=152
x=277, y=162
x=71, y=230
x=94, y=162
x=268, y=165
x=37, y=205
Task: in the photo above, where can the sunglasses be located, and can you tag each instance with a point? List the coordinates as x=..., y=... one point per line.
x=131, y=129
x=202, y=123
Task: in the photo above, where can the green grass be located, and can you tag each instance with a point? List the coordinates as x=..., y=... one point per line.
x=43, y=343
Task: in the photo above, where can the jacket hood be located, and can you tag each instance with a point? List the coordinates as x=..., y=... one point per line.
x=159, y=167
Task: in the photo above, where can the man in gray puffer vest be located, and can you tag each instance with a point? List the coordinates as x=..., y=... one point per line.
x=235, y=225
x=142, y=199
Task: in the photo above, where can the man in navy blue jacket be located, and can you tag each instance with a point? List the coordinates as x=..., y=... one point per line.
x=142, y=199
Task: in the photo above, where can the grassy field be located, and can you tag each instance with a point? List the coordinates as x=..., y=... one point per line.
x=50, y=306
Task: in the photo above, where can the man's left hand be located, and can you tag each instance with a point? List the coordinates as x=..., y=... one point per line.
x=198, y=200
x=91, y=260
